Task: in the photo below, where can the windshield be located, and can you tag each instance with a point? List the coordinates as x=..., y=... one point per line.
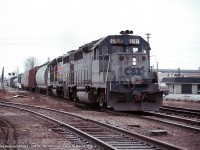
x=133, y=49
x=116, y=49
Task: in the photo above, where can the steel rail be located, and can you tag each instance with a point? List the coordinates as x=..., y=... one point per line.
x=96, y=141
x=173, y=123
x=181, y=110
x=10, y=141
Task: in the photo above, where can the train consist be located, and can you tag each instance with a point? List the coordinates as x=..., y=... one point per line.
x=113, y=71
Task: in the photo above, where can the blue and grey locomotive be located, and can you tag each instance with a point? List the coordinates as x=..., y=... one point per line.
x=113, y=71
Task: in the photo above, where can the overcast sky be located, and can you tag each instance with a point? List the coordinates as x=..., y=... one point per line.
x=49, y=28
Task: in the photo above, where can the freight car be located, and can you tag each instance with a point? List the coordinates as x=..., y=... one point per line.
x=41, y=78
x=113, y=71
x=24, y=80
x=12, y=81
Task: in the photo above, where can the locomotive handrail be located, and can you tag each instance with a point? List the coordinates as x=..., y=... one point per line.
x=107, y=75
x=113, y=77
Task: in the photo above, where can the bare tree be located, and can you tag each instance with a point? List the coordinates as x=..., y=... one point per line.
x=30, y=63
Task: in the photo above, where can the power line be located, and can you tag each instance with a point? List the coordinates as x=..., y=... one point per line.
x=178, y=62
x=45, y=38
x=169, y=38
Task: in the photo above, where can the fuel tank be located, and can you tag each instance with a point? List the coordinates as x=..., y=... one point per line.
x=87, y=97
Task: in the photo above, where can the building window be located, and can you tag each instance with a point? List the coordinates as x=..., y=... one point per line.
x=198, y=89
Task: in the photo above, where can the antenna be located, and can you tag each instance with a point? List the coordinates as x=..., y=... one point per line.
x=148, y=37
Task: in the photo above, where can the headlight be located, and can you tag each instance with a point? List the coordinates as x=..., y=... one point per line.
x=134, y=61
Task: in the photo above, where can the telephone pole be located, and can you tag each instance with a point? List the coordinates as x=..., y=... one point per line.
x=148, y=37
x=2, y=79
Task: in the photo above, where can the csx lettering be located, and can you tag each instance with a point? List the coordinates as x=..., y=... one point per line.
x=133, y=71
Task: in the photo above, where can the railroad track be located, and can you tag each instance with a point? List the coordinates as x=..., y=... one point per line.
x=177, y=121
x=182, y=122
x=7, y=134
x=184, y=111
x=91, y=133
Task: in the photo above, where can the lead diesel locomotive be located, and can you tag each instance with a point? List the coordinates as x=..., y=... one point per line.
x=113, y=71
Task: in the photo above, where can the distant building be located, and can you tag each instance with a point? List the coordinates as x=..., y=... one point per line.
x=182, y=85
x=180, y=73
x=164, y=73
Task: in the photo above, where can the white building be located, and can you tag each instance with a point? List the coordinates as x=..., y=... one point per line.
x=183, y=85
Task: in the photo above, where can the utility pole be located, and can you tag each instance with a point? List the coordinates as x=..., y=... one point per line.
x=148, y=37
x=179, y=72
x=2, y=79
x=17, y=71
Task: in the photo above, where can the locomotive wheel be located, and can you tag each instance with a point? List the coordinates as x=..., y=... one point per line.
x=73, y=96
x=48, y=92
x=101, y=100
x=67, y=95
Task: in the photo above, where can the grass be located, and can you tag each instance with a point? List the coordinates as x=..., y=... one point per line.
x=3, y=94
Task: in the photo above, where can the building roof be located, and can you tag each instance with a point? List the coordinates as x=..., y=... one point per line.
x=187, y=80
x=177, y=71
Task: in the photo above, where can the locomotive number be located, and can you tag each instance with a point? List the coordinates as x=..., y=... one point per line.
x=133, y=71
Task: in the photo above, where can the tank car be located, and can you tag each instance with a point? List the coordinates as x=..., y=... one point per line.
x=12, y=81
x=24, y=80
x=19, y=77
x=113, y=71
x=41, y=77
